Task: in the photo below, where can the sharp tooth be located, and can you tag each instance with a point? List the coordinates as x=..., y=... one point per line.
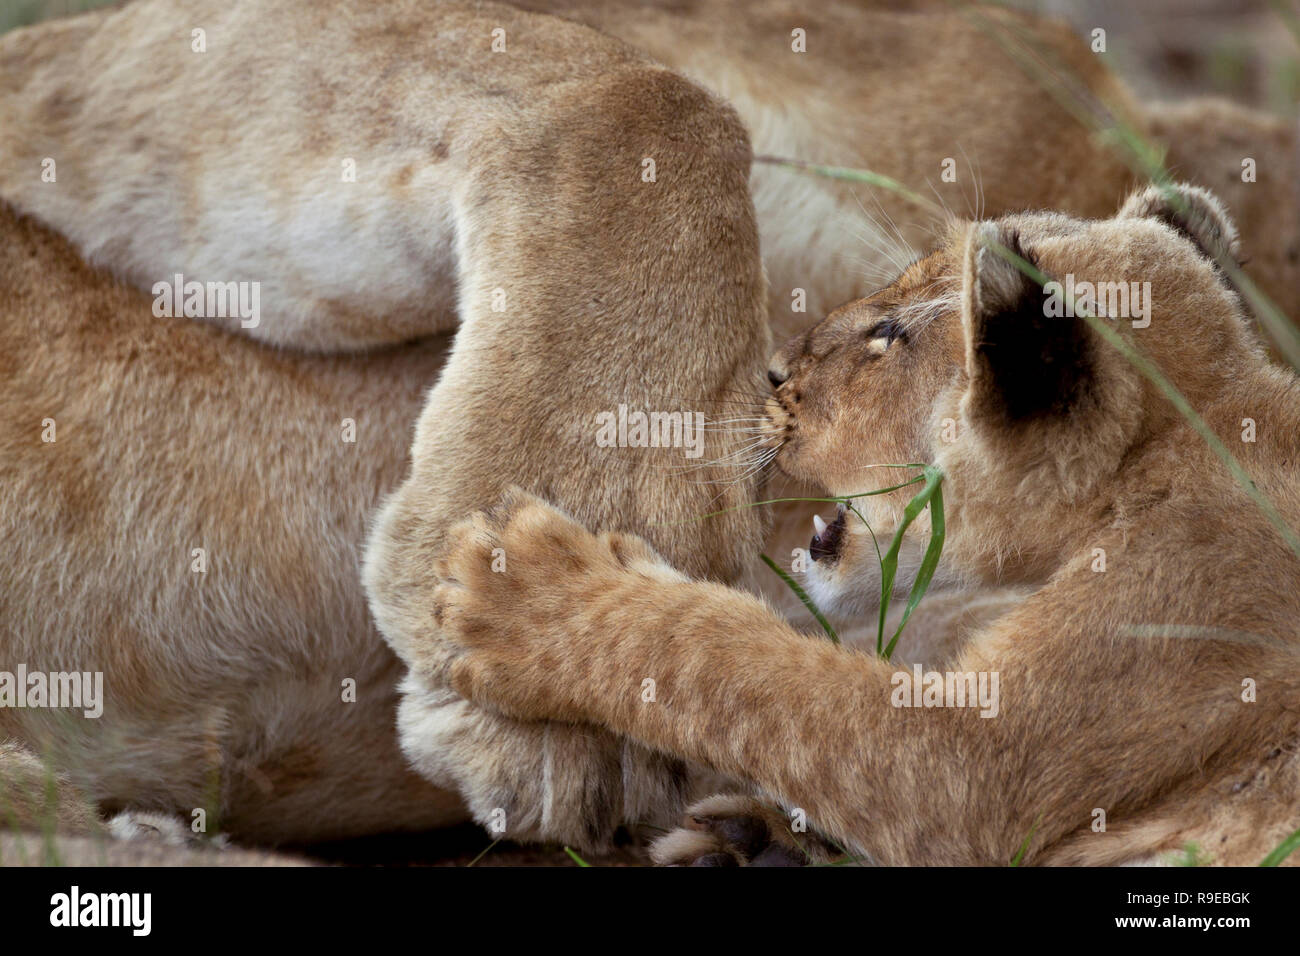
x=819, y=523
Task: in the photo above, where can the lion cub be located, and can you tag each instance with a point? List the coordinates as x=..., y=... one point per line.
x=1148, y=690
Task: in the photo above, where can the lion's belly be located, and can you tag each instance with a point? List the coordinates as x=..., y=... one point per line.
x=186, y=529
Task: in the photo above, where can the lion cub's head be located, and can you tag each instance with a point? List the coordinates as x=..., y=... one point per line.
x=1034, y=414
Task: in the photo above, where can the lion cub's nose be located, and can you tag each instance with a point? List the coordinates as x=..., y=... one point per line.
x=776, y=376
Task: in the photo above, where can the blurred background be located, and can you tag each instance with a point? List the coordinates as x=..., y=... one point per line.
x=19, y=13
x=1246, y=50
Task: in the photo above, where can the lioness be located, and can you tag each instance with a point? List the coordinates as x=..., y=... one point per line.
x=1156, y=691
x=187, y=518
x=386, y=172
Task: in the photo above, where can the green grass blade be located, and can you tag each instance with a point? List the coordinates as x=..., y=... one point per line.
x=866, y=176
x=929, y=561
x=1024, y=847
x=1283, y=850
x=576, y=859
x=486, y=850
x=889, y=565
x=802, y=595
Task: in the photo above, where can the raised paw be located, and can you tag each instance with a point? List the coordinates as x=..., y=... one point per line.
x=735, y=830
x=516, y=603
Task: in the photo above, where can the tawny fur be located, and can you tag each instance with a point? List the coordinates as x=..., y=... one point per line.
x=1160, y=688
x=523, y=174
x=223, y=690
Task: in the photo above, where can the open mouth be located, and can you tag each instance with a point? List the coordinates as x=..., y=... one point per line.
x=827, y=539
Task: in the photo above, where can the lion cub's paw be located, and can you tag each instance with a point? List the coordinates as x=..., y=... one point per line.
x=734, y=830
x=514, y=602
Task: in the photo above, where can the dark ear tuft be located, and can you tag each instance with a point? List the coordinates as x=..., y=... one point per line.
x=1023, y=362
x=1195, y=212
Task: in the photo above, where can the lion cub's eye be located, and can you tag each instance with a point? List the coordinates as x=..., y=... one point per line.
x=886, y=332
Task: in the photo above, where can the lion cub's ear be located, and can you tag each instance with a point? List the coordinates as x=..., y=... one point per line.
x=1048, y=400
x=1195, y=212
x=1022, y=363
